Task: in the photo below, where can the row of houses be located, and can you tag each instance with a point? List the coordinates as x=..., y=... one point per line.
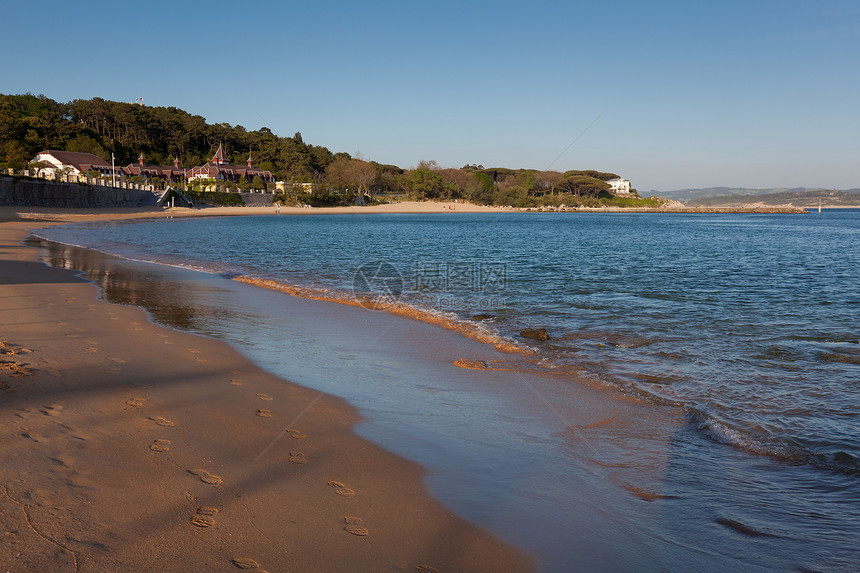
x=218, y=168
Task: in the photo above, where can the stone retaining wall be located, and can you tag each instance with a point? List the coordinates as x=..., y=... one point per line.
x=32, y=192
x=257, y=199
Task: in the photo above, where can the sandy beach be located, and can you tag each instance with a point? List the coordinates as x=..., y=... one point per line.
x=130, y=447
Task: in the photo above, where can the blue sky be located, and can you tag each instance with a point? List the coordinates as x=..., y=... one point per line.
x=668, y=94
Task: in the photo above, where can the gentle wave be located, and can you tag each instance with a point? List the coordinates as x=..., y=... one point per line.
x=723, y=433
x=445, y=320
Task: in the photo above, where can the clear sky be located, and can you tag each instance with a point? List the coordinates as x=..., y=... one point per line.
x=669, y=94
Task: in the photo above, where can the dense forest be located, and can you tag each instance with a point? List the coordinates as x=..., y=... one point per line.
x=29, y=124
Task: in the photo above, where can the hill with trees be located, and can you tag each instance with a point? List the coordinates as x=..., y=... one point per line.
x=29, y=124
x=739, y=196
x=794, y=197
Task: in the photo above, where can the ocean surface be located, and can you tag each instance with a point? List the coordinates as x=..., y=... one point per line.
x=718, y=356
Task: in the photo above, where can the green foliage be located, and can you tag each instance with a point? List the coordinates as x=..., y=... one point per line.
x=29, y=124
x=591, y=173
x=425, y=184
x=485, y=183
x=219, y=199
x=161, y=133
x=287, y=200
x=584, y=185
x=615, y=201
x=83, y=143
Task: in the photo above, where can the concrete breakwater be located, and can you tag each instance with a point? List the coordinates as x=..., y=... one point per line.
x=25, y=191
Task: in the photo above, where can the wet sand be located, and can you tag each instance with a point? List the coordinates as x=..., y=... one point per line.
x=127, y=446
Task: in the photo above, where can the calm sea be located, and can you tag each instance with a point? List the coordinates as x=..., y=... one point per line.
x=743, y=327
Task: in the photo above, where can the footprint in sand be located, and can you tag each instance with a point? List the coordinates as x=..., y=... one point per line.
x=235, y=382
x=162, y=421
x=263, y=413
x=10, y=349
x=265, y=397
x=298, y=458
x=295, y=434
x=38, y=438
x=117, y=360
x=244, y=563
x=24, y=413
x=203, y=520
x=53, y=410
x=426, y=569
x=15, y=369
x=341, y=489
x=352, y=526
x=206, y=477
x=160, y=445
x=135, y=402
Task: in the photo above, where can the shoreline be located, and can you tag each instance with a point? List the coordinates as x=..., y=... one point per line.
x=128, y=445
x=62, y=214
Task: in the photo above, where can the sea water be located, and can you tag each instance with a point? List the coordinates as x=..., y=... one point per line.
x=720, y=355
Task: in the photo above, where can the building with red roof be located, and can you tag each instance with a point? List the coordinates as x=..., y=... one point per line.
x=148, y=171
x=76, y=162
x=219, y=167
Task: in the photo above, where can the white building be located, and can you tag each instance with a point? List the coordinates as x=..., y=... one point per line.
x=619, y=186
x=74, y=162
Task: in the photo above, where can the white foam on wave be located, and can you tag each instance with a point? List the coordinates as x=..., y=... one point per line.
x=447, y=320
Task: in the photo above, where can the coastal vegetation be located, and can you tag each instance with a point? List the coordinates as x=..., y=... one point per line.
x=313, y=174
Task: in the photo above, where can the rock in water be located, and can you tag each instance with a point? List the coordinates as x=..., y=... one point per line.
x=535, y=333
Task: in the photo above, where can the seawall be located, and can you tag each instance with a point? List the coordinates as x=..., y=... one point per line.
x=25, y=191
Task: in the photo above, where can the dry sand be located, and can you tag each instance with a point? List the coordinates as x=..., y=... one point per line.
x=129, y=447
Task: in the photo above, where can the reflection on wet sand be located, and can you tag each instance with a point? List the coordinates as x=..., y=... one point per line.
x=170, y=303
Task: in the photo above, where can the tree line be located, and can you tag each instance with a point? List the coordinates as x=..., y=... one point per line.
x=30, y=123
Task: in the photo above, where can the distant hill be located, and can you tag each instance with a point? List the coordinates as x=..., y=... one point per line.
x=685, y=195
x=778, y=197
